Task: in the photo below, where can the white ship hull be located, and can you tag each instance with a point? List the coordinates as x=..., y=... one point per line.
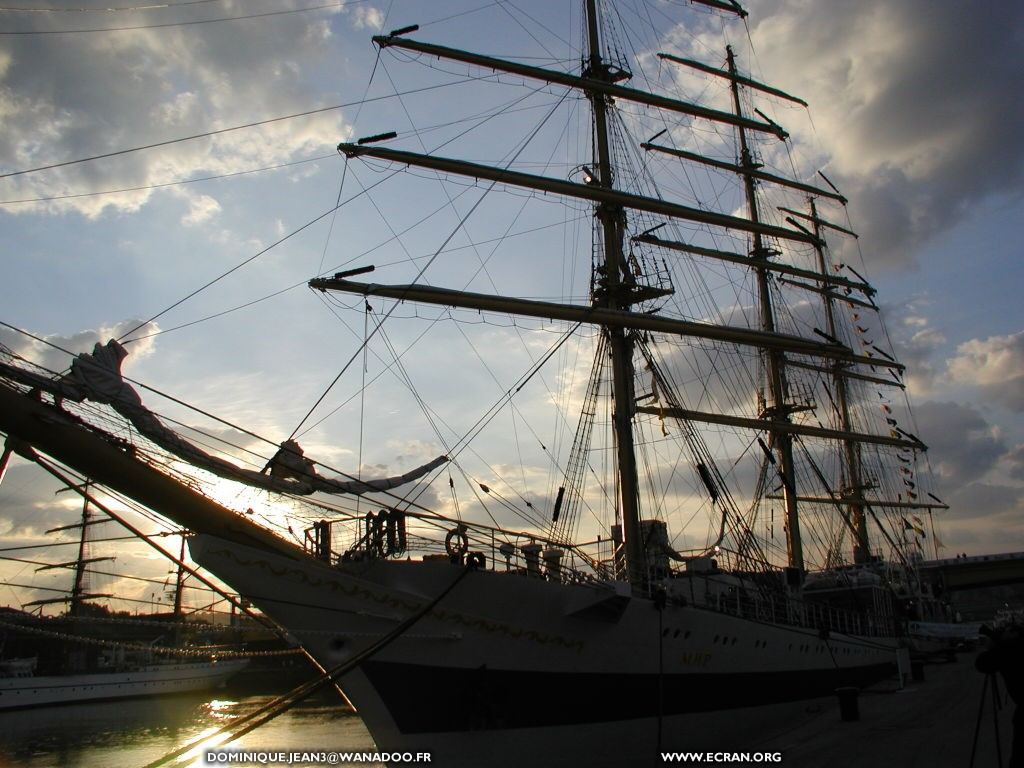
x=933, y=638
x=154, y=680
x=532, y=672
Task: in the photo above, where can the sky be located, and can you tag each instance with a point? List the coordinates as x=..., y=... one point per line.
x=913, y=116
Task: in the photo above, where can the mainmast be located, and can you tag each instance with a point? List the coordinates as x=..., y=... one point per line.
x=777, y=412
x=615, y=292
x=854, y=492
x=610, y=293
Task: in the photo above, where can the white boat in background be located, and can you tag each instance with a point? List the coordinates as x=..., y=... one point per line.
x=21, y=691
x=126, y=663
x=928, y=639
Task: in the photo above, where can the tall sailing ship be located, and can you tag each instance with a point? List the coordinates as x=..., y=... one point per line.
x=732, y=517
x=90, y=654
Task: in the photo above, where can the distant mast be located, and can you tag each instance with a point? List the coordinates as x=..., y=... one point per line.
x=179, y=581
x=80, y=586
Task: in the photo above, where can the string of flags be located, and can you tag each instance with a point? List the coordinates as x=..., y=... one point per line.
x=904, y=455
x=871, y=350
x=915, y=524
x=868, y=344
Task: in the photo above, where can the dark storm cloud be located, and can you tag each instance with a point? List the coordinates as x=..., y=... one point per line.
x=1015, y=462
x=914, y=101
x=963, y=446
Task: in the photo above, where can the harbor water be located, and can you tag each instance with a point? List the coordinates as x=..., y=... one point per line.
x=139, y=731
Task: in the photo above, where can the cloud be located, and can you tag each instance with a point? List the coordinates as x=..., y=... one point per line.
x=48, y=352
x=916, y=353
x=201, y=208
x=910, y=101
x=103, y=93
x=984, y=518
x=916, y=342
x=28, y=506
x=367, y=17
x=1014, y=460
x=976, y=501
x=963, y=446
x=995, y=365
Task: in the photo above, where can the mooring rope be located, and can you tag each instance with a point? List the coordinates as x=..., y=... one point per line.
x=283, y=703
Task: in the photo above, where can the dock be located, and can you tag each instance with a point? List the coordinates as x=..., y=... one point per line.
x=923, y=725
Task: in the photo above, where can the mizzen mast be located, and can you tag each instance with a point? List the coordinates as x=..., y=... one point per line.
x=854, y=490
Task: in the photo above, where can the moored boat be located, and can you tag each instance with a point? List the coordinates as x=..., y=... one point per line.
x=26, y=691
x=532, y=643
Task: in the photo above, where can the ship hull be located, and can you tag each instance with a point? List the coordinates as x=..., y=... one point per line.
x=528, y=671
x=155, y=680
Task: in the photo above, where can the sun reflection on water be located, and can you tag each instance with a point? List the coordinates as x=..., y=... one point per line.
x=220, y=709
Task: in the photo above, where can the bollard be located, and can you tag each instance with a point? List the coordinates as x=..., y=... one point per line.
x=848, y=708
x=917, y=671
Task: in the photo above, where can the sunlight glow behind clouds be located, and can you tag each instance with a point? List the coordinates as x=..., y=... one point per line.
x=97, y=94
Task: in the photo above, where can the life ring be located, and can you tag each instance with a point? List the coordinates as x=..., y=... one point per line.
x=456, y=535
x=476, y=561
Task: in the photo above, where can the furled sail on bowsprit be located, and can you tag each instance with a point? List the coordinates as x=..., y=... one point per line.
x=97, y=376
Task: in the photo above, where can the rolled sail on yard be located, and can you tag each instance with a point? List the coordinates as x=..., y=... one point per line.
x=97, y=377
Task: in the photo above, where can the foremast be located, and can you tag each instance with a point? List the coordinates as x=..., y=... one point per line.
x=611, y=293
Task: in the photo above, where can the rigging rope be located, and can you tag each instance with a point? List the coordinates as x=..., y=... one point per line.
x=426, y=266
x=196, y=22
x=218, y=131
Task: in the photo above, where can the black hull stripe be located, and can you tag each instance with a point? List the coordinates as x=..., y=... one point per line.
x=424, y=699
